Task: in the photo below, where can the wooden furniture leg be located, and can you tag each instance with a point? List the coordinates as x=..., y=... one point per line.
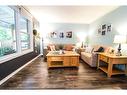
x=110, y=65
x=98, y=62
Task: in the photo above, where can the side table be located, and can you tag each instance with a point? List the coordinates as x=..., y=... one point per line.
x=111, y=60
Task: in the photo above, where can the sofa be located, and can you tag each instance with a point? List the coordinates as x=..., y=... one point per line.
x=57, y=47
x=90, y=55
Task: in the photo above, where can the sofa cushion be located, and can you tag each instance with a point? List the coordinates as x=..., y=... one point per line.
x=96, y=47
x=59, y=46
x=68, y=47
x=88, y=55
x=89, y=49
x=52, y=48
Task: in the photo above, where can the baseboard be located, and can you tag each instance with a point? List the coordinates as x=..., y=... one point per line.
x=16, y=71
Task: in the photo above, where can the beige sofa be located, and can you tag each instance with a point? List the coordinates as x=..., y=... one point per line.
x=91, y=57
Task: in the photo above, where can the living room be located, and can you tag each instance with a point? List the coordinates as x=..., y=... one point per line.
x=83, y=35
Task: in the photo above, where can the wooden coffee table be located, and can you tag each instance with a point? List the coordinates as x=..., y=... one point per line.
x=68, y=59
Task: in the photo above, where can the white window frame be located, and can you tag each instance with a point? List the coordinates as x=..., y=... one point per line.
x=27, y=33
x=19, y=52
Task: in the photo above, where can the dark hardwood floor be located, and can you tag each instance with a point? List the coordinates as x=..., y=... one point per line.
x=36, y=76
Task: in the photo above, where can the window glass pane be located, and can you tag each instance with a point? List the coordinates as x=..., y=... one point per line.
x=7, y=31
x=24, y=41
x=25, y=37
x=23, y=25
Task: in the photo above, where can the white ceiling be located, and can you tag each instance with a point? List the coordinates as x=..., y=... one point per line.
x=69, y=14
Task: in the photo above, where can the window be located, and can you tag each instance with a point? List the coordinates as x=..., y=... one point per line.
x=25, y=36
x=15, y=32
x=7, y=31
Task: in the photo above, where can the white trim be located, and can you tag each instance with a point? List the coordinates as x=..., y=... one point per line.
x=30, y=31
x=15, y=55
x=16, y=71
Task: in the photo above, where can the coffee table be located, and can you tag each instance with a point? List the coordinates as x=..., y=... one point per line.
x=68, y=59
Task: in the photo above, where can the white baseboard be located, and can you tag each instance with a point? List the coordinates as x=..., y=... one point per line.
x=16, y=71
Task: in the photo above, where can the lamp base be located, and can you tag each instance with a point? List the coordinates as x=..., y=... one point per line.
x=118, y=54
x=119, y=51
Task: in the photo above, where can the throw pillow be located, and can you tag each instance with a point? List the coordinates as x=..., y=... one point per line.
x=89, y=49
x=52, y=48
x=48, y=46
x=110, y=50
x=101, y=49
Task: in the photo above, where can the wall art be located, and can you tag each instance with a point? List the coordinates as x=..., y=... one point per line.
x=53, y=34
x=104, y=28
x=109, y=27
x=99, y=30
x=61, y=35
x=69, y=34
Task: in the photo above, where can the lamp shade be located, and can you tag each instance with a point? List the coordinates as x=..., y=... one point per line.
x=120, y=39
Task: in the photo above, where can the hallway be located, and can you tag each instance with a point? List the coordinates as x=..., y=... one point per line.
x=36, y=76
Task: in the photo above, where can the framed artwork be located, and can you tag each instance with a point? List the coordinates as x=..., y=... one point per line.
x=103, y=28
x=69, y=34
x=53, y=34
x=61, y=35
x=109, y=28
x=103, y=33
x=99, y=30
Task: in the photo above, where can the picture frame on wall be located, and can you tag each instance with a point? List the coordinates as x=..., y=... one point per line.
x=103, y=33
x=69, y=34
x=99, y=30
x=109, y=27
x=53, y=34
x=61, y=35
x=103, y=28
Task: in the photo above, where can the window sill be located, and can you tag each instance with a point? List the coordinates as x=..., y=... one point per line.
x=14, y=55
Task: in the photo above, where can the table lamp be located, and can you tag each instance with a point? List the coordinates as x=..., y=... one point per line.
x=119, y=39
